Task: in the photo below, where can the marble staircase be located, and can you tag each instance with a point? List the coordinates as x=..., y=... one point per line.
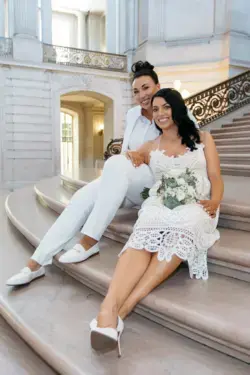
x=184, y=325
x=181, y=304
x=52, y=314
x=232, y=141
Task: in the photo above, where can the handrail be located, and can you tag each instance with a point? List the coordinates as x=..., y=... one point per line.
x=220, y=99
x=208, y=105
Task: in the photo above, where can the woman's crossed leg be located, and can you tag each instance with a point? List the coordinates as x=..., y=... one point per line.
x=137, y=273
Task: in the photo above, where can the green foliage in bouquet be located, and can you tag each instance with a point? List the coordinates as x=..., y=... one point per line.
x=145, y=193
x=176, y=189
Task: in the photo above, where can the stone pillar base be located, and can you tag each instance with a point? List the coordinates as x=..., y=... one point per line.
x=27, y=49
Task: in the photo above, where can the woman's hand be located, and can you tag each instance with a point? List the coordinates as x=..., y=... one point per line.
x=210, y=206
x=136, y=158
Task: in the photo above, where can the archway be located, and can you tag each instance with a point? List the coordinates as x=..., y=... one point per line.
x=94, y=113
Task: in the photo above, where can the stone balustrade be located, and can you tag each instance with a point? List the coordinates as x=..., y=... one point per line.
x=84, y=58
x=6, y=49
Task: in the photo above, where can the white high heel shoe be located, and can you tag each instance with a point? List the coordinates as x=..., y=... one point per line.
x=106, y=338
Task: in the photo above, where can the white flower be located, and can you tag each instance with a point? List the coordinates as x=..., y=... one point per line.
x=191, y=190
x=181, y=181
x=180, y=195
x=154, y=188
x=175, y=173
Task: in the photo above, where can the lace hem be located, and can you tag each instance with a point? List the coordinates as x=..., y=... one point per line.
x=173, y=241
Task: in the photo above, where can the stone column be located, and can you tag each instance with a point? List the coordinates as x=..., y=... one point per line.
x=2, y=19
x=156, y=20
x=46, y=15
x=89, y=136
x=132, y=29
x=111, y=25
x=26, y=45
x=25, y=18
x=10, y=18
x=103, y=33
x=94, y=42
x=82, y=30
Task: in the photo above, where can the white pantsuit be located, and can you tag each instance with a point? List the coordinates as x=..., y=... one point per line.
x=93, y=207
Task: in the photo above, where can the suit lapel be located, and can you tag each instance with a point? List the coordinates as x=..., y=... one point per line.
x=132, y=118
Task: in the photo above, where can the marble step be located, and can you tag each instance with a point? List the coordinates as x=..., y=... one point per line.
x=221, y=134
x=232, y=141
x=236, y=125
x=208, y=312
x=223, y=258
x=243, y=118
x=76, y=178
x=239, y=170
x=235, y=129
x=52, y=315
x=234, y=149
x=236, y=201
x=235, y=158
x=16, y=357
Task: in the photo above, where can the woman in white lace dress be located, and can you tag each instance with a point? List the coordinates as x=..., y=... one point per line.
x=162, y=238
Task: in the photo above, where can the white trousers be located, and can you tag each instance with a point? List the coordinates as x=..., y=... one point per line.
x=93, y=207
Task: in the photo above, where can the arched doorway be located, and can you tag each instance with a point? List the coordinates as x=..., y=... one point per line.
x=94, y=113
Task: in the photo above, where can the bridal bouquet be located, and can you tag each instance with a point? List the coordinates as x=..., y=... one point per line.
x=175, y=188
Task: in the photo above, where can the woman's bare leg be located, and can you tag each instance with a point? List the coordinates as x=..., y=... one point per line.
x=156, y=273
x=129, y=269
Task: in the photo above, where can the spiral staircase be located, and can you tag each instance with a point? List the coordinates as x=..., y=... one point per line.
x=184, y=325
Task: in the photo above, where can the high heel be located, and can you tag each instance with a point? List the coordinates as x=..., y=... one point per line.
x=106, y=338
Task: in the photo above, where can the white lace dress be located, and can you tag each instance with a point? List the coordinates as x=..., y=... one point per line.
x=186, y=231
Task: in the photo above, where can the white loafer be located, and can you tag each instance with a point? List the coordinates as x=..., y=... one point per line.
x=25, y=276
x=106, y=338
x=78, y=254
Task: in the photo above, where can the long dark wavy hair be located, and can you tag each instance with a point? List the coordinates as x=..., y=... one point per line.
x=186, y=127
x=144, y=68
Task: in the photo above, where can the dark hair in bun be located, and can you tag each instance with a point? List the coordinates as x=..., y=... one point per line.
x=144, y=68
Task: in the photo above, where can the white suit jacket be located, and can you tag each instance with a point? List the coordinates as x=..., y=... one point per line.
x=132, y=116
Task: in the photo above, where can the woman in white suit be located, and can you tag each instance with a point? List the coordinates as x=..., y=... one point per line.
x=93, y=207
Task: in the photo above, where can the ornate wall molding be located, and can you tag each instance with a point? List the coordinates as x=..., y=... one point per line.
x=64, y=81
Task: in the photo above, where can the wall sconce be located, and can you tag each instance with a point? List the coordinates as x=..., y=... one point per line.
x=100, y=129
x=177, y=84
x=185, y=94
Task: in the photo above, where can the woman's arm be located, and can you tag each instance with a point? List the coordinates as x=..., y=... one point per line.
x=214, y=174
x=141, y=155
